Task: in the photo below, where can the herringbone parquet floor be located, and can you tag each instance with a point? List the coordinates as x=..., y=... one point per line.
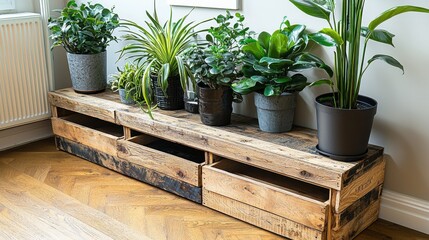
x=47, y=194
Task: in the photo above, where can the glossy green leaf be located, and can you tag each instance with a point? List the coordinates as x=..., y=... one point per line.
x=393, y=12
x=308, y=60
x=311, y=8
x=255, y=49
x=282, y=80
x=278, y=45
x=378, y=35
x=327, y=37
x=269, y=91
x=245, y=86
x=276, y=63
x=260, y=79
x=388, y=59
x=321, y=82
x=264, y=40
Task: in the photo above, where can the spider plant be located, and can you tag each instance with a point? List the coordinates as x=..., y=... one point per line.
x=157, y=49
x=346, y=34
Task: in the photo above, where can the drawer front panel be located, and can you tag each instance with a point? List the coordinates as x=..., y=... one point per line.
x=266, y=197
x=101, y=141
x=168, y=164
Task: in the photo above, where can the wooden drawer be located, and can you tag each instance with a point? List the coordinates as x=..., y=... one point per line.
x=89, y=131
x=268, y=200
x=172, y=159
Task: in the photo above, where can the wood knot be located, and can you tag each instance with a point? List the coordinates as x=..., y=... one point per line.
x=121, y=148
x=181, y=174
x=306, y=174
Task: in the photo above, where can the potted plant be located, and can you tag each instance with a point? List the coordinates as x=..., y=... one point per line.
x=85, y=32
x=215, y=64
x=344, y=118
x=127, y=82
x=271, y=69
x=157, y=49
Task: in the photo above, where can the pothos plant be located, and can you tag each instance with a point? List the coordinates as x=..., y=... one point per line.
x=215, y=62
x=83, y=29
x=346, y=34
x=273, y=62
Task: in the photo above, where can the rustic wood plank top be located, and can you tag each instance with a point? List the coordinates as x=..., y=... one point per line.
x=292, y=153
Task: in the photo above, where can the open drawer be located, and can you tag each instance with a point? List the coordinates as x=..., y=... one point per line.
x=286, y=206
x=92, y=132
x=172, y=159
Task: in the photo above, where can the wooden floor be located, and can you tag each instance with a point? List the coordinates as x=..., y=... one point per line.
x=47, y=194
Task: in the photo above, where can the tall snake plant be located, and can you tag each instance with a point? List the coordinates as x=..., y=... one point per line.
x=157, y=49
x=345, y=35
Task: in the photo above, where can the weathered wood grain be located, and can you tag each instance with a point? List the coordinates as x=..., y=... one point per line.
x=260, y=218
x=358, y=224
x=127, y=168
x=279, y=201
x=98, y=140
x=85, y=104
x=360, y=186
x=170, y=165
x=358, y=207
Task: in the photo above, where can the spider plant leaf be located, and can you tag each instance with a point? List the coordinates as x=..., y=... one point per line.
x=393, y=12
x=378, y=35
x=147, y=88
x=313, y=9
x=388, y=59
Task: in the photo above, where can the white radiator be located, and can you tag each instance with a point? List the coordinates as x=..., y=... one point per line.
x=24, y=80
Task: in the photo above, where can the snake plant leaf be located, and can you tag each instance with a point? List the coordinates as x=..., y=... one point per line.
x=313, y=9
x=322, y=82
x=388, y=59
x=327, y=37
x=393, y=12
x=378, y=35
x=278, y=45
x=264, y=40
x=276, y=63
x=255, y=49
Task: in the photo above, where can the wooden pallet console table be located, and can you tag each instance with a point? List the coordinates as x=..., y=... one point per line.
x=274, y=181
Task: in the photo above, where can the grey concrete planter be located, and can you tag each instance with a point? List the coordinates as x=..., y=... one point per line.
x=88, y=72
x=124, y=99
x=343, y=134
x=275, y=114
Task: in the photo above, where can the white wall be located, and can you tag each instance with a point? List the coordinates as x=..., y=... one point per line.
x=401, y=124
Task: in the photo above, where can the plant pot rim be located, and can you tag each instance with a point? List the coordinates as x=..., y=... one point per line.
x=372, y=103
x=86, y=54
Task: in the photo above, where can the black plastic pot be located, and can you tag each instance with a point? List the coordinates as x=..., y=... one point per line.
x=174, y=98
x=343, y=134
x=215, y=105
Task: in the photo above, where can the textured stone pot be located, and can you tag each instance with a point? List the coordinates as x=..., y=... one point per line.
x=343, y=134
x=275, y=114
x=88, y=72
x=215, y=105
x=123, y=96
x=174, y=98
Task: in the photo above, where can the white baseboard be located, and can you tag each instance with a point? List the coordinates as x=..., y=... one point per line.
x=21, y=135
x=405, y=210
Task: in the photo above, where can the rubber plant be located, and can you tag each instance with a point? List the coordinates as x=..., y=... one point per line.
x=157, y=49
x=273, y=62
x=350, y=40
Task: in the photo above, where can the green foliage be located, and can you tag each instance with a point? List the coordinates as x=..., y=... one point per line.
x=216, y=61
x=157, y=49
x=84, y=29
x=129, y=79
x=273, y=61
x=349, y=50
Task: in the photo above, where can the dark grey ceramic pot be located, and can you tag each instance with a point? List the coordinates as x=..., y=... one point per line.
x=343, y=134
x=276, y=113
x=88, y=72
x=124, y=99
